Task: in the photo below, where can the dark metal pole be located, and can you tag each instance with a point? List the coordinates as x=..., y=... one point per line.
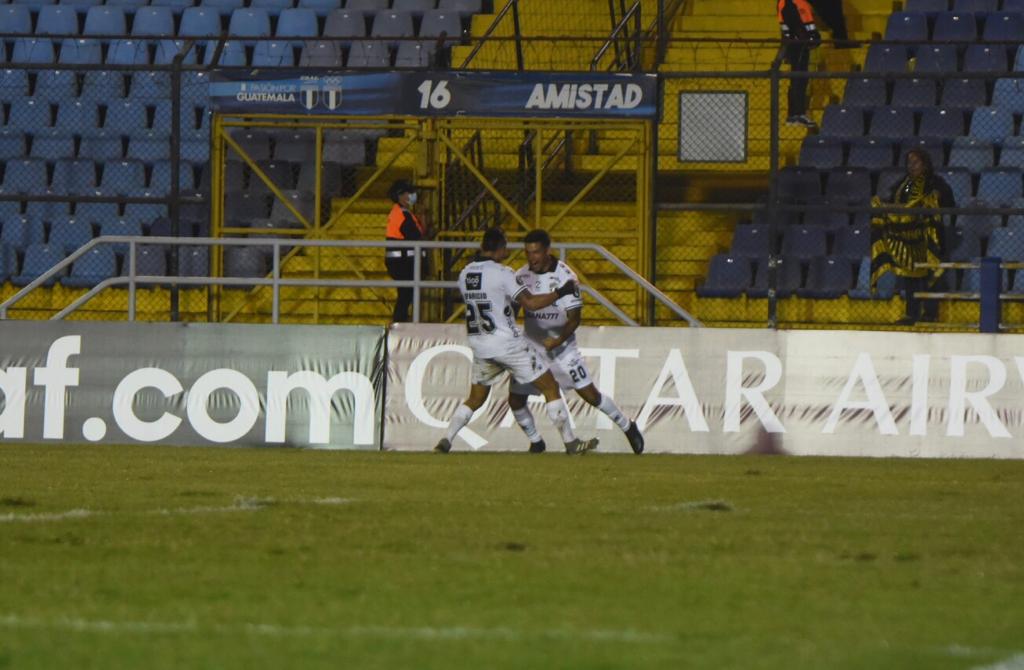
x=519, y=42
x=773, y=193
x=173, y=208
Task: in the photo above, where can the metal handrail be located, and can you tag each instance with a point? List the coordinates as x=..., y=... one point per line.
x=619, y=27
x=510, y=6
x=275, y=281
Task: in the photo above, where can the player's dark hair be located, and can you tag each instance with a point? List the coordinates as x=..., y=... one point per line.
x=538, y=236
x=494, y=239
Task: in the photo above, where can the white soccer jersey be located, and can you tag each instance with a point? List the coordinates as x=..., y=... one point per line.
x=549, y=321
x=489, y=290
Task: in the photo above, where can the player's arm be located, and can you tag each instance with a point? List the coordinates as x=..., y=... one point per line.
x=573, y=318
x=535, y=301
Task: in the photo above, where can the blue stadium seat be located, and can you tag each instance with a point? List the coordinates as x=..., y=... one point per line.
x=448, y=23
x=985, y=58
x=414, y=7
x=29, y=114
x=371, y=6
x=750, y=241
x=273, y=7
x=149, y=85
x=941, y=122
x=926, y=6
x=125, y=178
x=728, y=277
x=150, y=261
x=125, y=116
x=57, y=20
x=247, y=205
x=991, y=123
x=177, y=7
x=297, y=23
x=166, y=50
x=255, y=143
x=273, y=54
x=827, y=277
x=392, y=26
x=799, y=184
x=302, y=201
x=789, y=277
x=143, y=213
x=842, y=121
x=281, y=173
x=886, y=58
x=977, y=6
x=321, y=54
x=1003, y=27
x=369, y=54
x=16, y=19
x=891, y=122
x=938, y=58
x=12, y=144
x=249, y=23
x=102, y=86
x=55, y=85
x=82, y=4
x=852, y=243
x=149, y=145
x=885, y=289
x=1012, y=152
x=1009, y=95
x=199, y=22
x=981, y=225
x=963, y=243
x=461, y=7
x=153, y=22
x=870, y=153
x=9, y=208
x=47, y=211
x=906, y=27
x=38, y=259
x=232, y=54
x=848, y=186
x=321, y=7
x=964, y=93
x=128, y=52
x=347, y=24
x=1013, y=6
x=105, y=20
x=21, y=231
x=804, y=242
x=971, y=153
x=414, y=55
x=69, y=234
x=91, y=268
x=959, y=181
x=53, y=144
x=121, y=227
x=223, y=7
x=95, y=212
x=102, y=146
x=821, y=152
x=24, y=176
x=1000, y=186
x=1007, y=244
x=80, y=52
x=194, y=262
x=934, y=146
x=916, y=93
x=827, y=220
x=865, y=92
x=78, y=116
x=33, y=50
x=955, y=27
x=160, y=178
x=13, y=85
x=195, y=146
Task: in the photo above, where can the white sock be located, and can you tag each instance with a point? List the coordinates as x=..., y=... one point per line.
x=608, y=406
x=524, y=417
x=558, y=412
x=462, y=416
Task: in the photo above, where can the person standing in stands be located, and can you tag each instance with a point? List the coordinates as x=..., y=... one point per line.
x=899, y=241
x=800, y=34
x=831, y=12
x=406, y=226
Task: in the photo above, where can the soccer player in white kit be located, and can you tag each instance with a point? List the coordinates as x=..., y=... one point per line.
x=490, y=292
x=552, y=329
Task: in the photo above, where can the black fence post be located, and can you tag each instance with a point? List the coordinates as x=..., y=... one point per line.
x=991, y=287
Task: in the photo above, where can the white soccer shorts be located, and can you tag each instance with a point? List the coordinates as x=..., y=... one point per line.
x=567, y=366
x=522, y=362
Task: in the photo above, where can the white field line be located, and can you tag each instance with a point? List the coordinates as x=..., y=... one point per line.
x=241, y=504
x=428, y=633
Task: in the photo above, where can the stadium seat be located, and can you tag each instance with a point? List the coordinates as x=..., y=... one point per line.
x=69, y=234
x=350, y=152
x=322, y=8
x=848, y=186
x=166, y=50
x=16, y=19
x=244, y=262
x=906, y=27
x=865, y=92
x=330, y=177
x=56, y=20
x=21, y=231
x=344, y=23
x=891, y=122
x=126, y=116
x=916, y=93
x=828, y=220
x=102, y=86
x=124, y=178
x=232, y=53
x=371, y=6
x=964, y=93
x=105, y=20
x=414, y=55
x=926, y=6
x=177, y=7
x=78, y=115
x=985, y=58
x=1009, y=95
x=47, y=211
x=852, y=243
x=102, y=146
x=302, y=201
x=223, y=7
x=199, y=22
x=963, y=244
x=13, y=85
x=249, y=23
x=153, y=22
x=885, y=289
x=441, y=22
x=280, y=173
x=120, y=227
x=95, y=212
x=273, y=54
x=56, y=85
x=971, y=153
x=149, y=145
x=74, y=177
x=941, y=122
x=886, y=58
x=977, y=6
x=842, y=121
x=143, y=213
x=955, y=27
x=804, y=242
x=1013, y=6
x=33, y=50
x=1003, y=27
x=461, y=7
x=39, y=258
x=369, y=54
x=297, y=23
x=789, y=277
x=273, y=7
x=246, y=205
x=91, y=268
x=255, y=143
x=728, y=277
x=150, y=260
x=959, y=181
x=53, y=144
x=750, y=241
x=12, y=144
x=798, y=184
x=24, y=176
x=80, y=52
x=991, y=123
x=391, y=26
x=827, y=277
x=1000, y=186
x=160, y=178
x=194, y=261
x=1007, y=244
x=870, y=153
x=1012, y=153
x=321, y=54
x=128, y=52
x=937, y=58
x=29, y=114
x=414, y=7
x=821, y=152
x=981, y=225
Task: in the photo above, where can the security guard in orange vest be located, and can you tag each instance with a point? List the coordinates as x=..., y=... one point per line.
x=403, y=225
x=796, y=21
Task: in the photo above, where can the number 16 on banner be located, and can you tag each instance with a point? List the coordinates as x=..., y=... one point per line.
x=434, y=96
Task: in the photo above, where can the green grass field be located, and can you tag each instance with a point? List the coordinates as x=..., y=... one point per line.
x=126, y=557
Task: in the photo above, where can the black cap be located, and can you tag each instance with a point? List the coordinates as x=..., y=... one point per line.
x=398, y=188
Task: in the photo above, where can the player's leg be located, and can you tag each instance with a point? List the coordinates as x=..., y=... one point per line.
x=558, y=412
x=517, y=399
x=574, y=370
x=485, y=372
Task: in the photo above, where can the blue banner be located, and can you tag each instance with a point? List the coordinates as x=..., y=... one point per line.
x=443, y=93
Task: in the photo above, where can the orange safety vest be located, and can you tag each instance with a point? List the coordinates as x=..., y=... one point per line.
x=803, y=8
x=395, y=220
